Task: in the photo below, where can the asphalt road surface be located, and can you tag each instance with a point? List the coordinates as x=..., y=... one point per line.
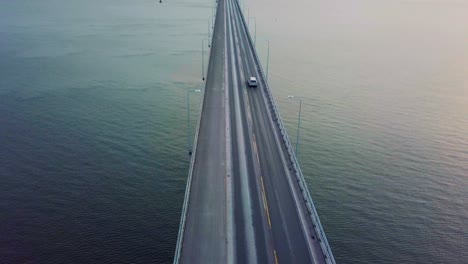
x=245, y=204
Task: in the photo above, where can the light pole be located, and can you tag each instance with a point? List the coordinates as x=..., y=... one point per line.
x=245, y=4
x=255, y=38
x=209, y=33
x=213, y=14
x=268, y=58
x=203, y=56
x=298, y=122
x=189, y=141
x=203, y=60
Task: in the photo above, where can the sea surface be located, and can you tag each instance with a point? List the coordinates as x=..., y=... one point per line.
x=93, y=123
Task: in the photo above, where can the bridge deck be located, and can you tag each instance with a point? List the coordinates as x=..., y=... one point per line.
x=205, y=235
x=247, y=202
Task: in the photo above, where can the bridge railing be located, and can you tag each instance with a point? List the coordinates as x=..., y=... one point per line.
x=183, y=217
x=328, y=255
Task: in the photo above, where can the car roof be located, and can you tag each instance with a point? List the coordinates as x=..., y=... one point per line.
x=253, y=78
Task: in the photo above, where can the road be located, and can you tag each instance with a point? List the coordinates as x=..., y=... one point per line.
x=245, y=204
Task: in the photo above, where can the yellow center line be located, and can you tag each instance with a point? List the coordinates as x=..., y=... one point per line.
x=276, y=258
x=264, y=200
x=265, y=203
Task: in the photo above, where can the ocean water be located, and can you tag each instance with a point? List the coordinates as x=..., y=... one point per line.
x=384, y=132
x=93, y=156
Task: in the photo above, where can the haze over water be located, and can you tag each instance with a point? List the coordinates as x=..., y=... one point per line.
x=93, y=160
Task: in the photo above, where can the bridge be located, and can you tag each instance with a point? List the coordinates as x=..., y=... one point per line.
x=246, y=199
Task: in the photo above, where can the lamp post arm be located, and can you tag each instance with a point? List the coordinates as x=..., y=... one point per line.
x=203, y=62
x=189, y=149
x=268, y=59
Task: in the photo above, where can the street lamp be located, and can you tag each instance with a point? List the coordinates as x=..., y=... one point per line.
x=268, y=58
x=245, y=4
x=213, y=14
x=202, y=60
x=189, y=140
x=292, y=97
x=209, y=32
x=203, y=57
x=255, y=38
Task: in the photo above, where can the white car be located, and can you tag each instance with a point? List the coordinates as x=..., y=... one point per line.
x=252, y=82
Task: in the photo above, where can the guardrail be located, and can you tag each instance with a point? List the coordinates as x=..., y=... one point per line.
x=328, y=255
x=180, y=236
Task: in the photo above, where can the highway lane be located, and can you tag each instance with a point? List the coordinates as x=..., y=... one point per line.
x=203, y=239
x=250, y=229
x=290, y=236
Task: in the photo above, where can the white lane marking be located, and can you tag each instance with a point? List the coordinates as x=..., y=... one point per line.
x=237, y=24
x=230, y=236
x=247, y=208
